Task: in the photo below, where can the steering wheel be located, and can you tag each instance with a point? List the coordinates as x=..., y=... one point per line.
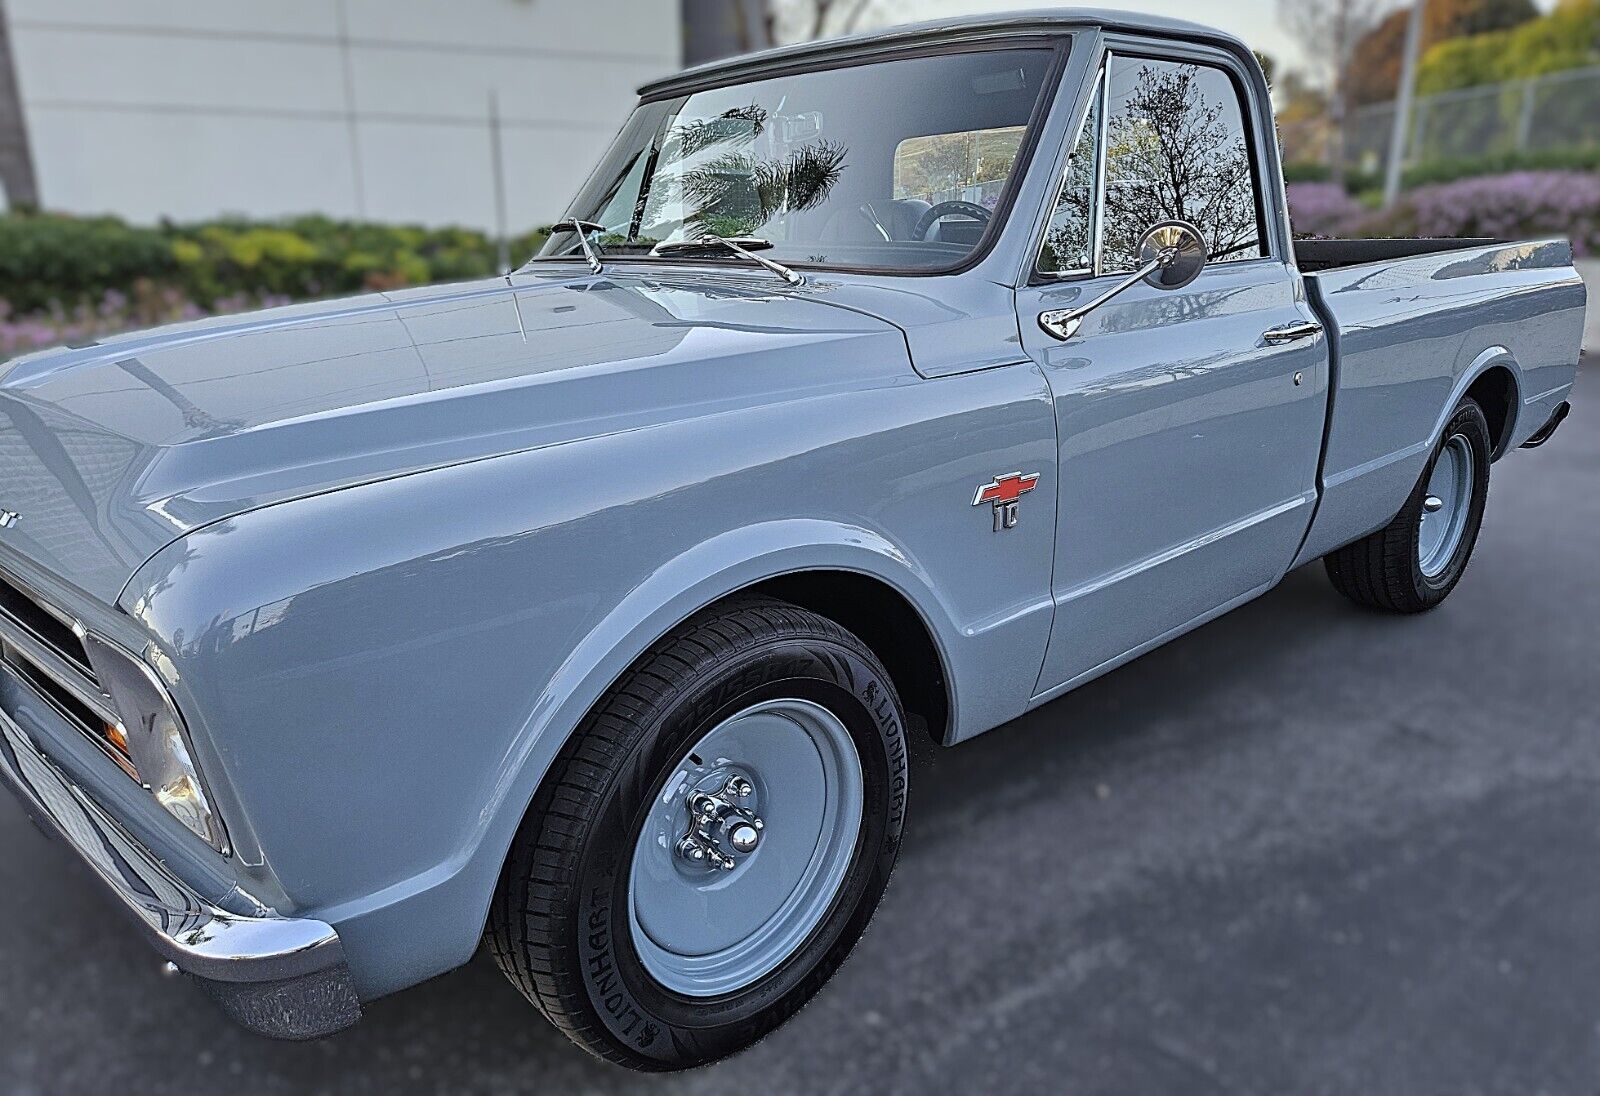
x=979, y=213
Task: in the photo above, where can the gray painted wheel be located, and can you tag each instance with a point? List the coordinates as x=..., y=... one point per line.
x=1447, y=506
x=744, y=851
x=1412, y=564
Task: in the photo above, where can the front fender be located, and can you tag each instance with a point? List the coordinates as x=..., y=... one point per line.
x=383, y=674
x=716, y=568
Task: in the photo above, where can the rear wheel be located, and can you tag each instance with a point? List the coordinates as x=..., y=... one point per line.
x=711, y=843
x=1413, y=563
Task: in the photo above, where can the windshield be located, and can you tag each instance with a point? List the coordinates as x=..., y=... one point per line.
x=895, y=164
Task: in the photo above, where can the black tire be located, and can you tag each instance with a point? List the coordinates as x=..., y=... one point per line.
x=1383, y=570
x=559, y=925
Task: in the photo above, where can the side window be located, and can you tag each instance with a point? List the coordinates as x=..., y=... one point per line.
x=1176, y=150
x=1069, y=241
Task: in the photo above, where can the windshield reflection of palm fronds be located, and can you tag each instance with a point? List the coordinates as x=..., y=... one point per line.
x=737, y=193
x=734, y=127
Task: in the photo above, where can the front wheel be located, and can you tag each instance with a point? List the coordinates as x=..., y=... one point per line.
x=1413, y=563
x=711, y=843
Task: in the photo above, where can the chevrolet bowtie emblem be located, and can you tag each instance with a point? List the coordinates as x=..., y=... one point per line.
x=1003, y=492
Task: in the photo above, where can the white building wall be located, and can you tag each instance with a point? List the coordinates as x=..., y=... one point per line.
x=378, y=109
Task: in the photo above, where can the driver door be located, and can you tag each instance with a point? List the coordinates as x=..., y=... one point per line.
x=1189, y=424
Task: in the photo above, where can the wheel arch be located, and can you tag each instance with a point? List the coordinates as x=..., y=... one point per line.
x=847, y=574
x=886, y=621
x=1493, y=380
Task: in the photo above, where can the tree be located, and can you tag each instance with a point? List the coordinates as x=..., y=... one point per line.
x=1329, y=30
x=1269, y=66
x=1566, y=38
x=16, y=162
x=1375, y=68
x=1302, y=114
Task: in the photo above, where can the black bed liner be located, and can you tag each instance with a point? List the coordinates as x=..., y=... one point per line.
x=1315, y=255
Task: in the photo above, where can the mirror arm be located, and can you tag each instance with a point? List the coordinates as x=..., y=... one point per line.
x=1063, y=323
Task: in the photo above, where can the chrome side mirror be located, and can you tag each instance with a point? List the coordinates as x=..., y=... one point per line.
x=1173, y=254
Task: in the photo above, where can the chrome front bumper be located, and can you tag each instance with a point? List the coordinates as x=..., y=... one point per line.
x=278, y=976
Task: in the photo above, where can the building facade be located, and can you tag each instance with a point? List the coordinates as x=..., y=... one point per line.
x=371, y=109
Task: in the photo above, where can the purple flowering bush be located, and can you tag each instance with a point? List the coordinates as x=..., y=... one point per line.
x=1514, y=205
x=1519, y=204
x=147, y=305
x=1323, y=209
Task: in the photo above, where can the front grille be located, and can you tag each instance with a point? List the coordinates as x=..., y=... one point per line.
x=41, y=645
x=45, y=624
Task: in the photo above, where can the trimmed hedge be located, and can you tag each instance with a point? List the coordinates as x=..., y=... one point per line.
x=51, y=260
x=1558, y=159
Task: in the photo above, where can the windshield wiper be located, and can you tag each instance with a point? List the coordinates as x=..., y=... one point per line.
x=582, y=228
x=743, y=246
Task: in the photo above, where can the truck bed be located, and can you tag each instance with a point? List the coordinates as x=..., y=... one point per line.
x=1314, y=256
x=1408, y=335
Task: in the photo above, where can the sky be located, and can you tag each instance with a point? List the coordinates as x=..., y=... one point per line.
x=1256, y=21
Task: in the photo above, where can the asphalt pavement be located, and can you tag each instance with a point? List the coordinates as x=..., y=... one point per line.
x=1307, y=848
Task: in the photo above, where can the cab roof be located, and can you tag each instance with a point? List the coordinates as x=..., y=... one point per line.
x=965, y=28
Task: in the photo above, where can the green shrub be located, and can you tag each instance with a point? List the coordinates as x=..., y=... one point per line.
x=45, y=258
x=1448, y=171
x=1306, y=172
x=50, y=259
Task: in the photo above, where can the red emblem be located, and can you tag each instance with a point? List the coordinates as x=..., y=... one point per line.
x=1003, y=492
x=1004, y=489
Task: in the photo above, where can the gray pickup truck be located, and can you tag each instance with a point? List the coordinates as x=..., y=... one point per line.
x=890, y=385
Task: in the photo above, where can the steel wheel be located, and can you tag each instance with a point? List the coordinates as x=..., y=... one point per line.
x=1446, y=506
x=743, y=852
x=1412, y=563
x=713, y=840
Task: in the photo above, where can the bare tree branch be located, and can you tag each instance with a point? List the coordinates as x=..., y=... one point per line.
x=1330, y=31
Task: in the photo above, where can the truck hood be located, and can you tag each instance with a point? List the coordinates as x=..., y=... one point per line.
x=110, y=451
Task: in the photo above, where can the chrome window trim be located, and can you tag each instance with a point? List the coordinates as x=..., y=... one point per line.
x=1099, y=94
x=1097, y=200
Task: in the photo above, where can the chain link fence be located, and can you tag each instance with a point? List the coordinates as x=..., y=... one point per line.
x=1557, y=111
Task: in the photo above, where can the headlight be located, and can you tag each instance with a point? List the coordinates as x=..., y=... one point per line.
x=157, y=743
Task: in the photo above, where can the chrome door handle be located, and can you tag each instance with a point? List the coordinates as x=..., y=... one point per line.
x=1293, y=332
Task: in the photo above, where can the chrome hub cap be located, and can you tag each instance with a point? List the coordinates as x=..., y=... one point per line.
x=745, y=848
x=1445, y=507
x=723, y=825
